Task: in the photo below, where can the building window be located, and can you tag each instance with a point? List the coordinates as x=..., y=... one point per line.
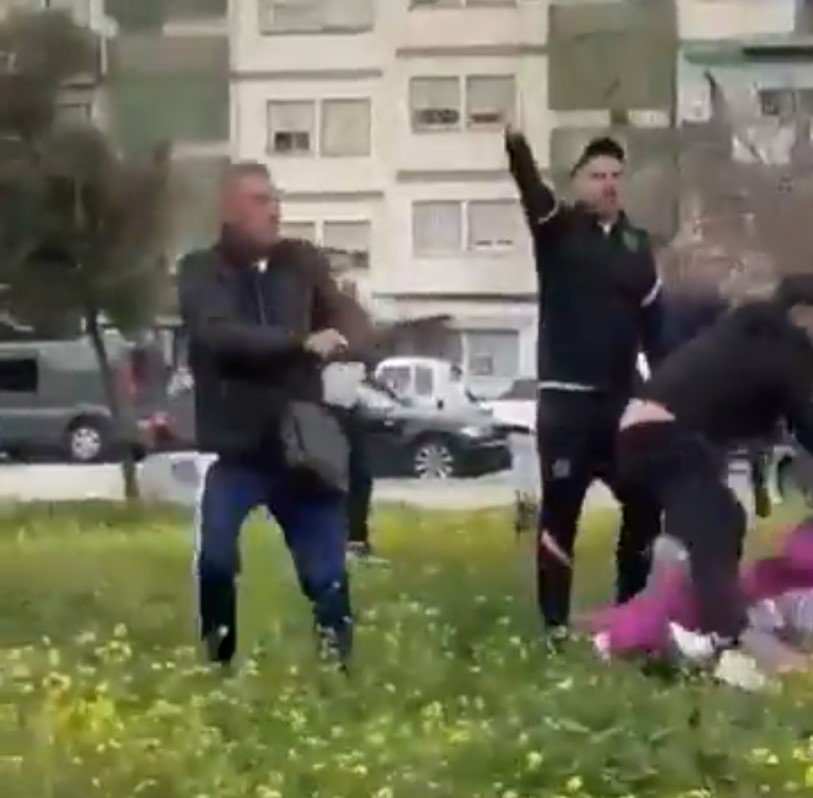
x=437, y=228
x=493, y=225
x=347, y=244
x=492, y=353
x=303, y=231
x=316, y=16
x=345, y=128
x=75, y=112
x=786, y=102
x=490, y=101
x=435, y=103
x=291, y=127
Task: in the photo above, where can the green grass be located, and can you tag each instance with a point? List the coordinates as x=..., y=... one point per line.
x=102, y=694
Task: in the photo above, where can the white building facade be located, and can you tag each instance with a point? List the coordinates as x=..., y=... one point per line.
x=382, y=121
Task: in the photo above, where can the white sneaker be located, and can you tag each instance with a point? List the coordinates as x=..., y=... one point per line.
x=601, y=643
x=691, y=645
x=739, y=670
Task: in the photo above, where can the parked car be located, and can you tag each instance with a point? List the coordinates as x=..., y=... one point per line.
x=404, y=439
x=427, y=443
x=52, y=399
x=516, y=408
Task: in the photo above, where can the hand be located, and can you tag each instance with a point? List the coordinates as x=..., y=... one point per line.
x=326, y=343
x=512, y=132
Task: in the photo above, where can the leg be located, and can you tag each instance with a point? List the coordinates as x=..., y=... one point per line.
x=315, y=532
x=361, y=487
x=228, y=495
x=565, y=480
x=640, y=527
x=706, y=517
x=640, y=515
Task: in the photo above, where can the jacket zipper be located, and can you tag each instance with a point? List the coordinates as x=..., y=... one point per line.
x=258, y=295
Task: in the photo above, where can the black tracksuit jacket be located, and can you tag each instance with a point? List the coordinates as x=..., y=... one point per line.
x=599, y=292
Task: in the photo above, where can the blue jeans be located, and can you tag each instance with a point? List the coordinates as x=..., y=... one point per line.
x=314, y=528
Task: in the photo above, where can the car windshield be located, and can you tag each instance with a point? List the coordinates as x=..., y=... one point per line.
x=378, y=398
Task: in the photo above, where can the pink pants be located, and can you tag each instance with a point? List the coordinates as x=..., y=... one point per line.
x=641, y=625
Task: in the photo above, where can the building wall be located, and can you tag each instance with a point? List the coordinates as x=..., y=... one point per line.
x=712, y=20
x=477, y=283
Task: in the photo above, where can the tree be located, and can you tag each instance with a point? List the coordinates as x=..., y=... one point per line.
x=83, y=231
x=747, y=186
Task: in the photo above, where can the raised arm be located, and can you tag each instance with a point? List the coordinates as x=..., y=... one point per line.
x=213, y=323
x=538, y=201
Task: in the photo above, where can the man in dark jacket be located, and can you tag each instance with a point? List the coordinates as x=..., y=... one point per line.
x=599, y=305
x=262, y=315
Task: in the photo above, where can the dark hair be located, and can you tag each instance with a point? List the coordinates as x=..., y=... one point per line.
x=795, y=289
x=603, y=147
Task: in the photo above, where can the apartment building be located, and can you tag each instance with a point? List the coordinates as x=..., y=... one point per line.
x=382, y=122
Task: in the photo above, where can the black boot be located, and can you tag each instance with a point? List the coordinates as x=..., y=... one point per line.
x=218, y=618
x=333, y=622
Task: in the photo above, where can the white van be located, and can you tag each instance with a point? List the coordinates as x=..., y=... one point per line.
x=427, y=382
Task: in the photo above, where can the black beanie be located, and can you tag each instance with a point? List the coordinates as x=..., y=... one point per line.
x=598, y=148
x=795, y=289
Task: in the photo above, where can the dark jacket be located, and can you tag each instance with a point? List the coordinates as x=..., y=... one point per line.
x=599, y=294
x=739, y=378
x=246, y=330
x=687, y=315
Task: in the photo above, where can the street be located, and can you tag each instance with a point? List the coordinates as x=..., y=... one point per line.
x=64, y=482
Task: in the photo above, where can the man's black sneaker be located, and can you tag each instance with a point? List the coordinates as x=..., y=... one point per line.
x=219, y=646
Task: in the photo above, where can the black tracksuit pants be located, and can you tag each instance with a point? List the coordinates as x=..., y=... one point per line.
x=360, y=488
x=577, y=434
x=688, y=475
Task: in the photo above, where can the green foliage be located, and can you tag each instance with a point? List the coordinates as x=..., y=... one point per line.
x=143, y=15
x=39, y=53
x=150, y=15
x=452, y=694
x=83, y=231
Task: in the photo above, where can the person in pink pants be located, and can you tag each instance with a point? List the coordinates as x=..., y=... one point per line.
x=779, y=591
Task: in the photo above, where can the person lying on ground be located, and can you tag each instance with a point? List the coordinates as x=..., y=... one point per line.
x=664, y=620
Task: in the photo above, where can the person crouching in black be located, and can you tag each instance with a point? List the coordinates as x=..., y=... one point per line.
x=735, y=381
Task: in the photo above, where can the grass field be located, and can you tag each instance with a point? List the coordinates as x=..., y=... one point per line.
x=452, y=695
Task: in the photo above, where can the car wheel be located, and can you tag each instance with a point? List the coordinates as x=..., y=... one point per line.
x=87, y=440
x=433, y=459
